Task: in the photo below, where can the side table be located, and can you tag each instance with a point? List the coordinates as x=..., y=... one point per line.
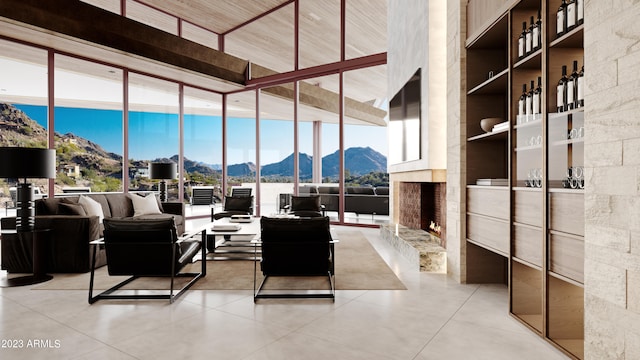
x=38, y=238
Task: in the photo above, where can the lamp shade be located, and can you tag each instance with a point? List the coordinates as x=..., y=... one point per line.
x=19, y=162
x=163, y=171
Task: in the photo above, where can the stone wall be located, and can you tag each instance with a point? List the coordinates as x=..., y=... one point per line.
x=456, y=139
x=612, y=165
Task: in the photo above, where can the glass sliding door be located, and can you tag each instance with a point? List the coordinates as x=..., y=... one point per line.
x=365, y=150
x=241, y=142
x=276, y=148
x=202, y=150
x=88, y=126
x=23, y=109
x=154, y=130
x=319, y=138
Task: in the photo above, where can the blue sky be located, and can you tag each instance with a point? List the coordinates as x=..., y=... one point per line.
x=154, y=135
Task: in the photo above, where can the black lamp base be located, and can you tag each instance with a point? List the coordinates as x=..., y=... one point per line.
x=25, y=280
x=25, y=220
x=163, y=191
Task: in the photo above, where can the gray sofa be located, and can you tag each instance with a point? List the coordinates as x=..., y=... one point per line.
x=69, y=236
x=359, y=200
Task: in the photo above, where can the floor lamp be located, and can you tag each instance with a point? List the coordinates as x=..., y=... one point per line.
x=26, y=163
x=162, y=172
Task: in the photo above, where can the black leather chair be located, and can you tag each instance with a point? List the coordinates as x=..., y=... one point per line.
x=306, y=206
x=234, y=205
x=295, y=247
x=147, y=248
x=239, y=191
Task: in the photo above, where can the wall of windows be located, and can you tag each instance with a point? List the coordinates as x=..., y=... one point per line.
x=276, y=149
x=110, y=122
x=154, y=130
x=202, y=147
x=241, y=141
x=23, y=109
x=88, y=125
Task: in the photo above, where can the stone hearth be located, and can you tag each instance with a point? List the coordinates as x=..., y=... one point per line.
x=418, y=246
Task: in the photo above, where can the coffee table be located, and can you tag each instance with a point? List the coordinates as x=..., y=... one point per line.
x=227, y=243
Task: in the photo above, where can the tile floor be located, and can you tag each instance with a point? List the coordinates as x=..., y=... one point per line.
x=436, y=318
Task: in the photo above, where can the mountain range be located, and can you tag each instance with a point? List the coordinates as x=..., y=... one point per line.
x=16, y=128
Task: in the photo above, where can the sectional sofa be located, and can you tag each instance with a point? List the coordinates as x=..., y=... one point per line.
x=73, y=222
x=357, y=199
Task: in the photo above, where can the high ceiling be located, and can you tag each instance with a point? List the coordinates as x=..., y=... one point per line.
x=261, y=32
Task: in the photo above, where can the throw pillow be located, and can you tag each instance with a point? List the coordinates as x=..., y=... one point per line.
x=91, y=207
x=48, y=206
x=144, y=205
x=71, y=209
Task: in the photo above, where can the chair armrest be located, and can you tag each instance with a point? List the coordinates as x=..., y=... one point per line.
x=198, y=231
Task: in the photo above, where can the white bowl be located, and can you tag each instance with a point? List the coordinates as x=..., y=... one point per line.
x=487, y=123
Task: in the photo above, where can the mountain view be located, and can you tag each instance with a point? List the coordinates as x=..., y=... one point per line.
x=103, y=168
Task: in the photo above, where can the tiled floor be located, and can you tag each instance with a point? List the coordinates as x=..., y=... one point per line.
x=436, y=318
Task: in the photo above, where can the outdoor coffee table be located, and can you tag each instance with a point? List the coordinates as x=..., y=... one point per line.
x=229, y=240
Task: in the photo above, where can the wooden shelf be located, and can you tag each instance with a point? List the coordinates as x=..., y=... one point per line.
x=528, y=148
x=565, y=323
x=500, y=135
x=531, y=61
x=566, y=279
x=523, y=188
x=495, y=85
x=567, y=142
x=526, y=263
x=567, y=191
x=545, y=226
x=574, y=347
x=487, y=247
x=556, y=115
x=495, y=36
x=572, y=39
x=532, y=123
x=534, y=321
x=492, y=187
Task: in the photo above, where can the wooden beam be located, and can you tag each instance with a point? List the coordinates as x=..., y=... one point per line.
x=315, y=96
x=90, y=24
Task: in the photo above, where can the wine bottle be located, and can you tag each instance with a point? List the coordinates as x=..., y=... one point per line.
x=529, y=101
x=537, y=32
x=561, y=93
x=522, y=101
x=522, y=40
x=537, y=95
x=529, y=39
x=571, y=15
x=580, y=11
x=561, y=19
x=580, y=88
x=572, y=83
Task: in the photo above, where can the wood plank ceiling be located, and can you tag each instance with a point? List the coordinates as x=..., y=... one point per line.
x=262, y=32
x=269, y=40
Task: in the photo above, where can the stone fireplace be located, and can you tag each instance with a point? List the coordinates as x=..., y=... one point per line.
x=418, y=218
x=422, y=205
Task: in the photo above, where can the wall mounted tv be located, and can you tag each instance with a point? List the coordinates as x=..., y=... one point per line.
x=404, y=122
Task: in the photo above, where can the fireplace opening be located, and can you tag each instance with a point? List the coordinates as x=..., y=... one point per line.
x=423, y=206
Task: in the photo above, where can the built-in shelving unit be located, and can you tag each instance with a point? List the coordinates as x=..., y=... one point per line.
x=529, y=233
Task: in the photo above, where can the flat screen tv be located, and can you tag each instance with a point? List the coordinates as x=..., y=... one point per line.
x=404, y=122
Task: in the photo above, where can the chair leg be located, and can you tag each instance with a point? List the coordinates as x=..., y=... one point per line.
x=257, y=295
